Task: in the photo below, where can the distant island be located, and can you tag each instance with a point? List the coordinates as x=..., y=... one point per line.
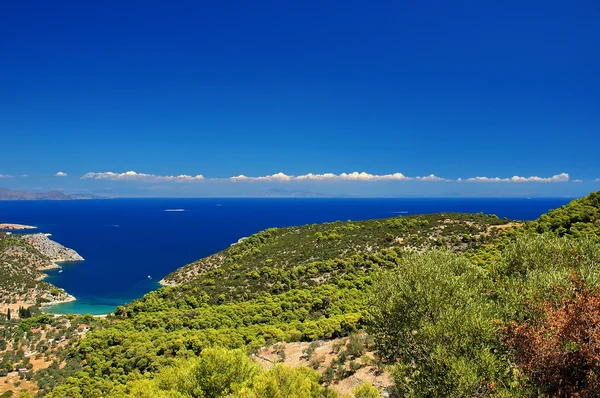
x=8, y=194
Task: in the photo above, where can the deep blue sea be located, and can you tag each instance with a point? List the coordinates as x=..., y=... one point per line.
x=124, y=241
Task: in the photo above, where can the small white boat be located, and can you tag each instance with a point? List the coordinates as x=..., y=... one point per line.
x=60, y=271
x=149, y=277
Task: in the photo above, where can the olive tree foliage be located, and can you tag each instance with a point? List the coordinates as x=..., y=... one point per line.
x=431, y=317
x=285, y=382
x=219, y=372
x=441, y=320
x=536, y=270
x=366, y=390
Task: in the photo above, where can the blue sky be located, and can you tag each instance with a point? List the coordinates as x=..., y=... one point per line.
x=221, y=89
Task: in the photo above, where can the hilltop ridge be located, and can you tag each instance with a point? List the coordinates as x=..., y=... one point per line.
x=285, y=248
x=8, y=194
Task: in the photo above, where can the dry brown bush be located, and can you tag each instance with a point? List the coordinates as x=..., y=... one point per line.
x=561, y=353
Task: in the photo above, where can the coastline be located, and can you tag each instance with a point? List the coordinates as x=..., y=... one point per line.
x=70, y=298
x=55, y=254
x=164, y=283
x=55, y=263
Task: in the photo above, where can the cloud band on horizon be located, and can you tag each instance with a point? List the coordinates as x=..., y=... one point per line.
x=282, y=177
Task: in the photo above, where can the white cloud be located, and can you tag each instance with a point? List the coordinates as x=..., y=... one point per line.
x=274, y=177
x=563, y=177
x=317, y=177
x=61, y=174
x=282, y=177
x=431, y=177
x=5, y=176
x=278, y=177
x=24, y=175
x=133, y=176
x=355, y=176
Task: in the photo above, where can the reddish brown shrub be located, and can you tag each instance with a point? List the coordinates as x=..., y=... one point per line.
x=562, y=352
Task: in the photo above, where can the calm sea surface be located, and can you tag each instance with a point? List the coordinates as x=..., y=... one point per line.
x=130, y=244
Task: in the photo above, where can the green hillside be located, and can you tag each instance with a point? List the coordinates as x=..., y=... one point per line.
x=280, y=259
x=579, y=218
x=453, y=304
x=288, y=284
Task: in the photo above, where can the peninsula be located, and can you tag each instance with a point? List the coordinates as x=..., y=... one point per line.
x=23, y=258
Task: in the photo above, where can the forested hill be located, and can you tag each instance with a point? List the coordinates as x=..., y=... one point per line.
x=280, y=250
x=579, y=218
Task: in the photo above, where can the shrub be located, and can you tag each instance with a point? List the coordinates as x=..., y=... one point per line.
x=316, y=361
x=355, y=346
x=283, y=381
x=561, y=353
x=354, y=366
x=366, y=390
x=431, y=316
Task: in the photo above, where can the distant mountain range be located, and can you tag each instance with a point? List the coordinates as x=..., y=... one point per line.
x=283, y=193
x=7, y=194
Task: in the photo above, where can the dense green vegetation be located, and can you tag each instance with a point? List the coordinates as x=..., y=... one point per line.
x=448, y=302
x=254, y=263
x=579, y=218
x=442, y=320
x=290, y=284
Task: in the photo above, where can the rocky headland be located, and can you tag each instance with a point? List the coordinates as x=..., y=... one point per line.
x=55, y=252
x=15, y=227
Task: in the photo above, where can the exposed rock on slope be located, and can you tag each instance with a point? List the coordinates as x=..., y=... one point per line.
x=51, y=249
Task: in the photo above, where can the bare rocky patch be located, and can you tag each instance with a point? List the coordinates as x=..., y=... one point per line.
x=343, y=363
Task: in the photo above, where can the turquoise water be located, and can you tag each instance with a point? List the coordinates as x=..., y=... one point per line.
x=124, y=241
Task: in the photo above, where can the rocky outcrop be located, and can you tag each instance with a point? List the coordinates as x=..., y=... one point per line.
x=9, y=227
x=51, y=249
